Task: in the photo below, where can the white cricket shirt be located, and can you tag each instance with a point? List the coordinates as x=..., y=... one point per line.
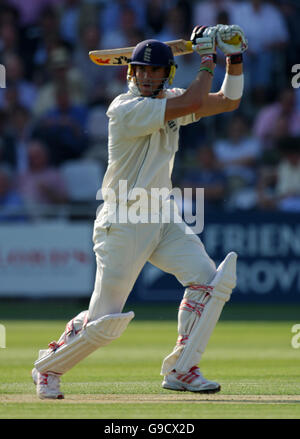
x=141, y=147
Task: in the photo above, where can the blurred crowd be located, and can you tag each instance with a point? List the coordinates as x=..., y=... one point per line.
x=53, y=124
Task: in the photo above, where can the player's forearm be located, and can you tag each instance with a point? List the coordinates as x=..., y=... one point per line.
x=198, y=91
x=232, y=87
x=229, y=97
x=233, y=69
x=194, y=99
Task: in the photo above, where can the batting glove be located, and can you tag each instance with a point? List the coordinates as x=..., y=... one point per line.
x=204, y=40
x=226, y=33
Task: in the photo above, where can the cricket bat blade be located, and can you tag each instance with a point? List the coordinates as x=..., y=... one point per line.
x=121, y=57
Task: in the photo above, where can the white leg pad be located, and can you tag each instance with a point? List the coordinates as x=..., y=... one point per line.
x=198, y=316
x=95, y=334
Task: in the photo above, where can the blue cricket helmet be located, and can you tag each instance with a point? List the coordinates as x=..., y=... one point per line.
x=154, y=53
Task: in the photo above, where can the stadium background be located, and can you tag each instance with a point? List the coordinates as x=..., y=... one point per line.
x=53, y=145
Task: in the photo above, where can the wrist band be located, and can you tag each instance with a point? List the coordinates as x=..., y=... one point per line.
x=236, y=58
x=211, y=57
x=207, y=69
x=233, y=86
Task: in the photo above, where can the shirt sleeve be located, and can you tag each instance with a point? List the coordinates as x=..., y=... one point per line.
x=139, y=116
x=189, y=118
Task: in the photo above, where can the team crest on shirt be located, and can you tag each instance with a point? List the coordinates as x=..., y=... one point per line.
x=172, y=125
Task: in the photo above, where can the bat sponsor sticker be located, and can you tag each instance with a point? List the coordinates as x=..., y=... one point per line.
x=102, y=61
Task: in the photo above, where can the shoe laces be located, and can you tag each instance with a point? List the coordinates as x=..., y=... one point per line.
x=196, y=371
x=43, y=379
x=193, y=374
x=53, y=382
x=50, y=380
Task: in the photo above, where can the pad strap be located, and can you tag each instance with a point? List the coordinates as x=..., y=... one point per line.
x=198, y=315
x=95, y=334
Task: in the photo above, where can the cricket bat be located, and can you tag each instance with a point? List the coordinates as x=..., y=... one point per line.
x=121, y=57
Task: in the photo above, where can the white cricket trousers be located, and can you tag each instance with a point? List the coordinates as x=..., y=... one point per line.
x=123, y=249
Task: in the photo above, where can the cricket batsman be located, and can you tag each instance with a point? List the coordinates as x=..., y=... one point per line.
x=143, y=139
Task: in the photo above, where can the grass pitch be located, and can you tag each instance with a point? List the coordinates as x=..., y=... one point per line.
x=253, y=360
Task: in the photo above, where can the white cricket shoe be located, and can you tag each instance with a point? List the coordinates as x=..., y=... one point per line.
x=47, y=385
x=193, y=381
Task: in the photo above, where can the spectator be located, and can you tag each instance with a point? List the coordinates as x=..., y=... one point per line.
x=11, y=203
x=70, y=14
x=178, y=22
x=9, y=39
x=15, y=38
x=10, y=99
x=206, y=174
x=187, y=10
x=119, y=76
x=30, y=10
x=187, y=68
x=9, y=14
x=97, y=127
x=297, y=91
x=19, y=129
x=156, y=13
x=279, y=188
x=63, y=127
x=5, y=143
x=267, y=35
x=48, y=40
x=271, y=155
x=126, y=34
x=62, y=73
x=238, y=155
x=291, y=13
x=99, y=79
x=25, y=90
x=175, y=24
x=270, y=117
x=111, y=12
x=206, y=12
x=118, y=37
x=42, y=184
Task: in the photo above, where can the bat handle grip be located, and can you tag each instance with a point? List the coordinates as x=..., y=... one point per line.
x=189, y=45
